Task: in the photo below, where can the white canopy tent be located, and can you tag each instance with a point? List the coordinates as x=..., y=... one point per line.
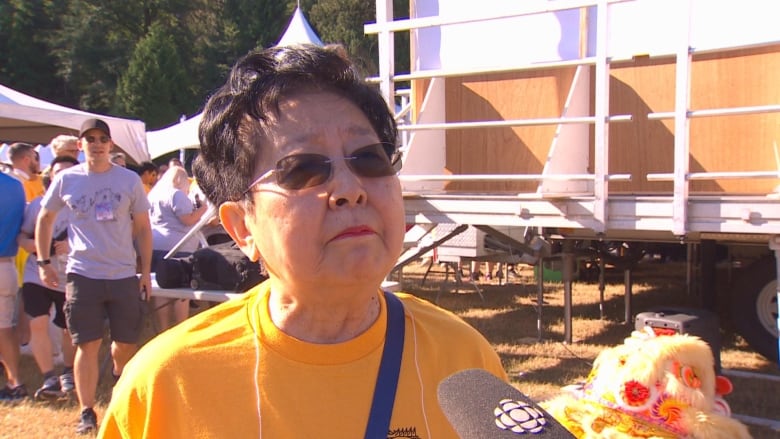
x=184, y=135
x=299, y=31
x=24, y=118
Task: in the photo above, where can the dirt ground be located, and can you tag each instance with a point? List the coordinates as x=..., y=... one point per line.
x=530, y=341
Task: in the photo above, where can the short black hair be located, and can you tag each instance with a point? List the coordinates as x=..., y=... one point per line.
x=63, y=159
x=237, y=114
x=46, y=177
x=146, y=167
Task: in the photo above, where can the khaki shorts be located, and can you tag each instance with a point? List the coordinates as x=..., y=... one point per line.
x=9, y=287
x=89, y=302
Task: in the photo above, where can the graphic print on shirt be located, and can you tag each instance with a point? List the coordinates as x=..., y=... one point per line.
x=105, y=203
x=403, y=433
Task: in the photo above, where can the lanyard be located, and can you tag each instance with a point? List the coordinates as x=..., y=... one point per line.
x=389, y=369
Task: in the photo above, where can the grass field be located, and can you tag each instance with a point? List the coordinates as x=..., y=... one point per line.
x=508, y=318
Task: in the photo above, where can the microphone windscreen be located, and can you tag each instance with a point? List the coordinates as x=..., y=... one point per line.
x=479, y=405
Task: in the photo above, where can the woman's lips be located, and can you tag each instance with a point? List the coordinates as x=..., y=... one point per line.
x=355, y=231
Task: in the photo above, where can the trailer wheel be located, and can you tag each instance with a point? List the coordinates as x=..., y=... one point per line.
x=754, y=307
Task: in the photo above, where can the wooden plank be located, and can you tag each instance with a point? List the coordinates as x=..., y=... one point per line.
x=507, y=150
x=737, y=78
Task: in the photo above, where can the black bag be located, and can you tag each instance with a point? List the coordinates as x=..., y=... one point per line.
x=175, y=272
x=224, y=267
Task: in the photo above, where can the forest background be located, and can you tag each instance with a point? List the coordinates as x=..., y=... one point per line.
x=156, y=60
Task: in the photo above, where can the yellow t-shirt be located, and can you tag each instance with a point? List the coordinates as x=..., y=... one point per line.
x=202, y=378
x=33, y=188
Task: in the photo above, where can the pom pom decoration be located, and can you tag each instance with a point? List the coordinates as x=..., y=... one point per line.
x=650, y=387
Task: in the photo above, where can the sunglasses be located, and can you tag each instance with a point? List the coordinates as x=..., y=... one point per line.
x=101, y=139
x=300, y=171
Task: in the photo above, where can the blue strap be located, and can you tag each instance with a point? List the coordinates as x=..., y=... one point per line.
x=387, y=379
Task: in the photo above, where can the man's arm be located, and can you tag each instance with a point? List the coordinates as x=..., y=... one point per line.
x=44, y=227
x=142, y=234
x=26, y=242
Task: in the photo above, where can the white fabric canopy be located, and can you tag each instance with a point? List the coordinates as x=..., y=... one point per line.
x=299, y=31
x=24, y=118
x=184, y=135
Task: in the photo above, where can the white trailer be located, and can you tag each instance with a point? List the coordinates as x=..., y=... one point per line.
x=604, y=120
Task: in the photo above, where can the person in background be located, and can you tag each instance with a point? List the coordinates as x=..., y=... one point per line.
x=108, y=219
x=62, y=145
x=475, y=274
x=148, y=173
x=27, y=164
x=65, y=145
x=317, y=198
x=161, y=170
x=11, y=217
x=118, y=158
x=38, y=298
x=174, y=161
x=172, y=215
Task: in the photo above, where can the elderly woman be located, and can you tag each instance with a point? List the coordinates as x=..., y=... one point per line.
x=172, y=215
x=298, y=153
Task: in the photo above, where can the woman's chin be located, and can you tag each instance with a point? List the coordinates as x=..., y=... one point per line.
x=358, y=275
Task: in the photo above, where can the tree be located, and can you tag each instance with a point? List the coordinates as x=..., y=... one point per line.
x=154, y=85
x=27, y=64
x=342, y=21
x=157, y=59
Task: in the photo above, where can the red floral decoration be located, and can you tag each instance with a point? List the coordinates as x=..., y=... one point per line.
x=635, y=393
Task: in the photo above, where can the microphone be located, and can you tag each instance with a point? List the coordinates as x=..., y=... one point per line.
x=479, y=405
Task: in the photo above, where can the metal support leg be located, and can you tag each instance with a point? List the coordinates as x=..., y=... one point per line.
x=568, y=260
x=539, y=297
x=629, y=285
x=602, y=284
x=428, y=270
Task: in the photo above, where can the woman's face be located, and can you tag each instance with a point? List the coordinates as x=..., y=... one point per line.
x=347, y=230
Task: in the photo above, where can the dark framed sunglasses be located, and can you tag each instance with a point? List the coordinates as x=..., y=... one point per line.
x=300, y=171
x=93, y=139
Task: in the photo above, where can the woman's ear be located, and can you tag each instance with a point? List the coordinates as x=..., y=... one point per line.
x=233, y=216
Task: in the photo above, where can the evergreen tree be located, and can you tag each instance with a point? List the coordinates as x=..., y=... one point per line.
x=154, y=85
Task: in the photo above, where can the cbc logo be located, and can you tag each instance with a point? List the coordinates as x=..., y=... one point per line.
x=519, y=417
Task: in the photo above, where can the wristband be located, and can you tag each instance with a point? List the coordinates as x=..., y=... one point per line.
x=43, y=262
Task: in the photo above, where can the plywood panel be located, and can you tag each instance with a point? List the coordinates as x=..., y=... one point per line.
x=736, y=143
x=641, y=146
x=717, y=144
x=518, y=150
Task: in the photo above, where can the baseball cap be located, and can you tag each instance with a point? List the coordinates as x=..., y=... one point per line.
x=94, y=124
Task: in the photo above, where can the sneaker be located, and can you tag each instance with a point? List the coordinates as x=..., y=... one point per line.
x=49, y=390
x=13, y=393
x=25, y=349
x=87, y=421
x=67, y=382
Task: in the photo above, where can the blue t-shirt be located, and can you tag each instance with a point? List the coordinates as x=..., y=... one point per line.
x=11, y=214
